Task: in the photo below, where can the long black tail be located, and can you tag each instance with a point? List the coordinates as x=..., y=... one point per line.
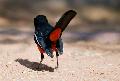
x=62, y=24
x=65, y=19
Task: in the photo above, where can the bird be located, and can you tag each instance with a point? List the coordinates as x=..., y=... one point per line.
x=47, y=37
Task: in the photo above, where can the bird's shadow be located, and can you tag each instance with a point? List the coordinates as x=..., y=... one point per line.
x=35, y=65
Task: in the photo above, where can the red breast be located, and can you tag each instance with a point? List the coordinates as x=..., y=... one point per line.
x=55, y=35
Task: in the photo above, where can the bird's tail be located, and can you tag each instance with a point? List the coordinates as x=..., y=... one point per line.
x=61, y=25
x=65, y=19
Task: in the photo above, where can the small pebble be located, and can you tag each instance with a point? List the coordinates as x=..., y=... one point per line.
x=101, y=73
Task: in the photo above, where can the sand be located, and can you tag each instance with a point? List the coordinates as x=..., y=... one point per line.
x=80, y=62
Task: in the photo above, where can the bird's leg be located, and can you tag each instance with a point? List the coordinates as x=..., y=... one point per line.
x=41, y=51
x=57, y=59
x=42, y=57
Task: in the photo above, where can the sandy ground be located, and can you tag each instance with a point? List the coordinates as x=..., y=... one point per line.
x=80, y=62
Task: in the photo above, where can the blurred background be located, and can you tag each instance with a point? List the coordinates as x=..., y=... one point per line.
x=97, y=20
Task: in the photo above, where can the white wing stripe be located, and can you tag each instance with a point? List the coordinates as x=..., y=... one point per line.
x=36, y=39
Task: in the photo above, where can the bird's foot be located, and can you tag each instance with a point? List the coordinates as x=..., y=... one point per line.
x=56, y=67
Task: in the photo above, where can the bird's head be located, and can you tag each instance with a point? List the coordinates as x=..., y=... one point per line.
x=41, y=19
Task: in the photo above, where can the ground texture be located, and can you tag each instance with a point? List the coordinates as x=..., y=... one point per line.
x=80, y=62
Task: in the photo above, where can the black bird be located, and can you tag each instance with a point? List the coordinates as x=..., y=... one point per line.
x=47, y=37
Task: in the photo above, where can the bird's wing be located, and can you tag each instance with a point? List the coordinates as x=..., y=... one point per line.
x=59, y=46
x=39, y=40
